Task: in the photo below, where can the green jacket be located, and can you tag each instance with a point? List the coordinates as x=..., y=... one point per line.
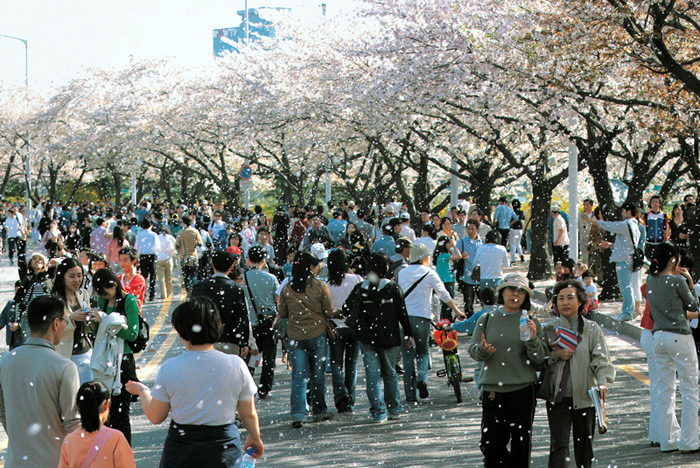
x=131, y=312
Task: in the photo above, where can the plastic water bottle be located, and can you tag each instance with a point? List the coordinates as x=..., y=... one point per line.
x=248, y=461
x=524, y=326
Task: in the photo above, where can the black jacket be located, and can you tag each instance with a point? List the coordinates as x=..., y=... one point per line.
x=375, y=313
x=230, y=300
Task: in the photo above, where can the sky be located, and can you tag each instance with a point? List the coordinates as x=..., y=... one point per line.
x=66, y=37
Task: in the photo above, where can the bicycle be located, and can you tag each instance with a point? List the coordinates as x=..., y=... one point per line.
x=446, y=338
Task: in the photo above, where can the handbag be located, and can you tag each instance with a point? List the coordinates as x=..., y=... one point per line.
x=637, y=254
x=476, y=274
x=542, y=386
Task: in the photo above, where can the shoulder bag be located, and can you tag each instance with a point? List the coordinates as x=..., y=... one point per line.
x=637, y=254
x=413, y=286
x=103, y=436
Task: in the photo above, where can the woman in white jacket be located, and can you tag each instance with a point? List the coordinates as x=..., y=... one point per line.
x=76, y=343
x=574, y=370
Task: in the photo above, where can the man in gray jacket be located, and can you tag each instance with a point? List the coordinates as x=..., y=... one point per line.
x=627, y=236
x=38, y=387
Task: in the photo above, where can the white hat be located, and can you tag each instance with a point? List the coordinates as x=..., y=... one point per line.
x=517, y=281
x=389, y=209
x=319, y=250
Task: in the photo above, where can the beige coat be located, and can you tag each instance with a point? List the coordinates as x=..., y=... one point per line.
x=590, y=363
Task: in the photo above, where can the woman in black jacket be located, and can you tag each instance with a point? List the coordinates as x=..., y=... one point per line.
x=376, y=308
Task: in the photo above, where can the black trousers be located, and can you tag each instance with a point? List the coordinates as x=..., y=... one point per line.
x=505, y=234
x=188, y=446
x=507, y=417
x=265, y=339
x=148, y=271
x=562, y=416
x=560, y=252
x=120, y=405
x=469, y=291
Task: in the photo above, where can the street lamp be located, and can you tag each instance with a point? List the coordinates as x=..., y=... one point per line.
x=26, y=56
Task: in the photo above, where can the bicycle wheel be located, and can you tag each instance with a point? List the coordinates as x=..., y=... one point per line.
x=454, y=380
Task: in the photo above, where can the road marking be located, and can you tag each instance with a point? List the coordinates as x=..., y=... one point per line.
x=636, y=373
x=154, y=362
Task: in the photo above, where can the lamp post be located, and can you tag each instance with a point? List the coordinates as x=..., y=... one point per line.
x=26, y=56
x=26, y=84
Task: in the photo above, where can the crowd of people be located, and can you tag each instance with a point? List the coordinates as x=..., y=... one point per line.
x=324, y=284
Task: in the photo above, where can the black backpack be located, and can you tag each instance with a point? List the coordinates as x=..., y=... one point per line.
x=141, y=341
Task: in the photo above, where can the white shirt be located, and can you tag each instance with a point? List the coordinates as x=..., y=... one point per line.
x=492, y=258
x=167, y=245
x=560, y=230
x=13, y=225
x=216, y=227
x=147, y=242
x=204, y=387
x=340, y=293
x=418, y=302
x=407, y=232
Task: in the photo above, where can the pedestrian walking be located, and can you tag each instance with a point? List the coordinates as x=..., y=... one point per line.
x=508, y=375
x=202, y=390
x=115, y=300
x=573, y=373
x=345, y=349
x=148, y=246
x=306, y=303
x=418, y=281
x=670, y=293
x=38, y=388
x=375, y=309
x=94, y=443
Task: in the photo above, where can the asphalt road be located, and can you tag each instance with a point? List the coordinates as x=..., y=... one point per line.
x=432, y=432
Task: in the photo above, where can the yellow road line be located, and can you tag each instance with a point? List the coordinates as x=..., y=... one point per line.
x=162, y=315
x=637, y=374
x=147, y=370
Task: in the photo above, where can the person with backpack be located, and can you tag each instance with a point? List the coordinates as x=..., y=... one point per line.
x=467, y=247
x=626, y=239
x=377, y=330
x=113, y=299
x=657, y=224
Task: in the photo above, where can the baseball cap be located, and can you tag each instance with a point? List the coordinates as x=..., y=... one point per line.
x=319, y=250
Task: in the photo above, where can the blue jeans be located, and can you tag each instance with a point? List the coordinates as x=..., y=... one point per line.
x=624, y=281
x=418, y=355
x=490, y=282
x=345, y=352
x=308, y=364
x=379, y=367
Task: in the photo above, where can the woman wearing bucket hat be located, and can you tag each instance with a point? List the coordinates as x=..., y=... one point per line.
x=508, y=376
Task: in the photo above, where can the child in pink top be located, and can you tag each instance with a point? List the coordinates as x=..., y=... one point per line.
x=95, y=445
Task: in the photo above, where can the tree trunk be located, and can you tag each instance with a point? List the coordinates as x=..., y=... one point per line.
x=540, y=262
x=8, y=172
